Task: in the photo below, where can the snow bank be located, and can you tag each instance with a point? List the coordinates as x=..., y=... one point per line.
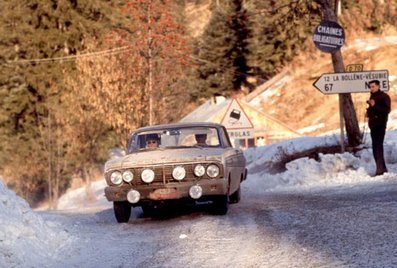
x=331, y=170
x=260, y=157
x=26, y=240
x=85, y=198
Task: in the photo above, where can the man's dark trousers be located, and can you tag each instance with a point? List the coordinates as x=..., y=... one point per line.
x=378, y=136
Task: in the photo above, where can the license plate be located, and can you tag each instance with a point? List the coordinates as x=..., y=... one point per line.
x=164, y=193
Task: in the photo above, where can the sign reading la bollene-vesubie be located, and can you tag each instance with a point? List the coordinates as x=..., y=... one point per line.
x=237, y=123
x=329, y=36
x=352, y=82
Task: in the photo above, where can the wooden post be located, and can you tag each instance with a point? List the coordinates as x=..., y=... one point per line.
x=342, y=123
x=150, y=63
x=346, y=102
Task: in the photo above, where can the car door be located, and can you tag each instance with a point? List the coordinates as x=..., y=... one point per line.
x=234, y=161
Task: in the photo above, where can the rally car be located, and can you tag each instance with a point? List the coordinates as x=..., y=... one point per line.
x=182, y=162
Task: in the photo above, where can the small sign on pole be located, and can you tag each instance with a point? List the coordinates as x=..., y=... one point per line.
x=355, y=68
x=329, y=36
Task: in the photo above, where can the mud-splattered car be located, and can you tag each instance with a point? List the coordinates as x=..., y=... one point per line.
x=176, y=162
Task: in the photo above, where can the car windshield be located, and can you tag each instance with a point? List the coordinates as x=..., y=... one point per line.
x=175, y=138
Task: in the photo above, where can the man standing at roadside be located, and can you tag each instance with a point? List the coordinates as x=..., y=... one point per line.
x=377, y=112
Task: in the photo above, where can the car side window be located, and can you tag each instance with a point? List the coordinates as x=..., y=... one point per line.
x=225, y=138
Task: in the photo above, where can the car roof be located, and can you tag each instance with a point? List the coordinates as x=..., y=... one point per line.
x=178, y=125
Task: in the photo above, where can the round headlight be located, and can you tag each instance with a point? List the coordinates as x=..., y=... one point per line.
x=116, y=178
x=179, y=173
x=195, y=191
x=133, y=196
x=199, y=170
x=147, y=175
x=213, y=171
x=128, y=176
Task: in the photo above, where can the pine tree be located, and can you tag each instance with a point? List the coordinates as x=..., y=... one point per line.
x=280, y=29
x=222, y=52
x=31, y=90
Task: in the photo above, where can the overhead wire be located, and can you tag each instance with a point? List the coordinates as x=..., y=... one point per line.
x=117, y=50
x=106, y=52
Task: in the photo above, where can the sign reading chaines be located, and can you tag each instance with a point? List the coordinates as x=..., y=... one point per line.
x=329, y=36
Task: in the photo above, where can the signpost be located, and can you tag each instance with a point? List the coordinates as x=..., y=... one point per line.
x=237, y=123
x=351, y=82
x=329, y=36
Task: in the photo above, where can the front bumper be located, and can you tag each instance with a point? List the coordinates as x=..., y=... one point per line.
x=177, y=190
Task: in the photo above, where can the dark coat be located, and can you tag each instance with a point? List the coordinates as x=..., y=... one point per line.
x=378, y=114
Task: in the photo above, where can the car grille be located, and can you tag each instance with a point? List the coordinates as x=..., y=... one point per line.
x=163, y=174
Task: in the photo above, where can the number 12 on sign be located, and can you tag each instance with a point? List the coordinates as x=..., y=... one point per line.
x=327, y=86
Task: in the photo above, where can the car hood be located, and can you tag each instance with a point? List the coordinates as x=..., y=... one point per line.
x=166, y=156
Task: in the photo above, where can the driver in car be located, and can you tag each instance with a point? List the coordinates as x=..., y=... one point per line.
x=201, y=139
x=152, y=141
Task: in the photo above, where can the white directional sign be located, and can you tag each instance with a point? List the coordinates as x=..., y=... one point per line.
x=237, y=123
x=335, y=83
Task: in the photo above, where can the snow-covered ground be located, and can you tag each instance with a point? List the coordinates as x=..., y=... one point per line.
x=325, y=213
x=26, y=239
x=340, y=170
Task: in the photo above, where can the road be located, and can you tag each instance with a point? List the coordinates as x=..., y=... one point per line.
x=322, y=228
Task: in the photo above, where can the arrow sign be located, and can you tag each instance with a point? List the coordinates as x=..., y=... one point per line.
x=352, y=82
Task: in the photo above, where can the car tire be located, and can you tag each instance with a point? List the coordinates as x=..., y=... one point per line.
x=122, y=211
x=236, y=196
x=220, y=205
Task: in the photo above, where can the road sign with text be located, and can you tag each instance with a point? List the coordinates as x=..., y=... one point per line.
x=352, y=82
x=329, y=36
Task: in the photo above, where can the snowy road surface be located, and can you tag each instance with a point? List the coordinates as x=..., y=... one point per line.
x=333, y=227
x=327, y=212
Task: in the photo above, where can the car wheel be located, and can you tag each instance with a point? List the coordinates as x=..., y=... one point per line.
x=122, y=211
x=236, y=196
x=220, y=205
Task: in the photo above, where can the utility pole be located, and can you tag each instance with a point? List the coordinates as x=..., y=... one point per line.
x=150, y=62
x=345, y=99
